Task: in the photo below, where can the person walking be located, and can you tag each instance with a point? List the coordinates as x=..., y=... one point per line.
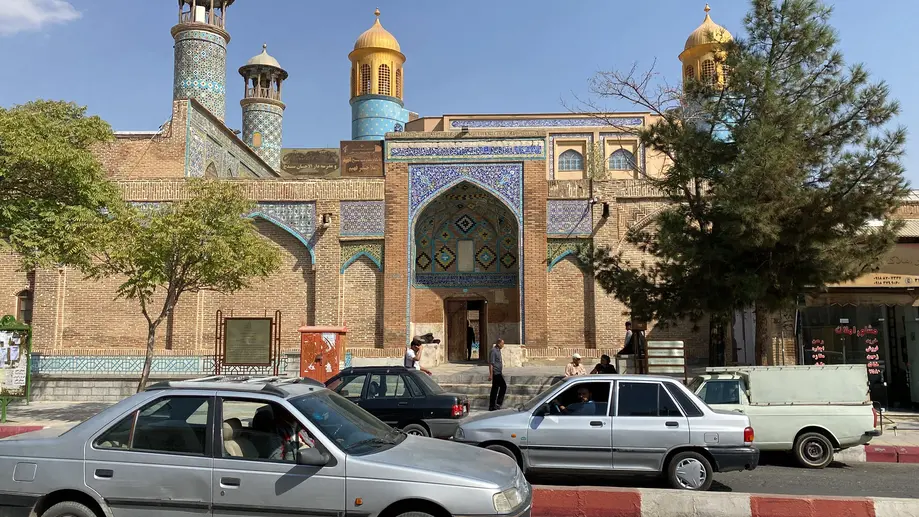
x=496, y=376
x=470, y=339
x=575, y=368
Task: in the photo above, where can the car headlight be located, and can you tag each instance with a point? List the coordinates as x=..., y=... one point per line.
x=459, y=434
x=508, y=500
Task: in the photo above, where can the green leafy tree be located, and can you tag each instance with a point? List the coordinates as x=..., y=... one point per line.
x=202, y=243
x=50, y=180
x=773, y=178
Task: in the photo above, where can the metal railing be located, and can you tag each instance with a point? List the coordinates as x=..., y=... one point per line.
x=263, y=93
x=210, y=18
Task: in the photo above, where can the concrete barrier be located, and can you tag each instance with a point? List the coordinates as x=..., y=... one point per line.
x=878, y=454
x=12, y=430
x=612, y=502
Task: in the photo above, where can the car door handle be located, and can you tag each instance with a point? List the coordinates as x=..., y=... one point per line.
x=596, y=423
x=673, y=424
x=229, y=482
x=104, y=474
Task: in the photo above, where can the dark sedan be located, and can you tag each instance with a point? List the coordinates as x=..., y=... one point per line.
x=404, y=398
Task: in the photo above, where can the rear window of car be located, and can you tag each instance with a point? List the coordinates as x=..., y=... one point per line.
x=684, y=400
x=425, y=380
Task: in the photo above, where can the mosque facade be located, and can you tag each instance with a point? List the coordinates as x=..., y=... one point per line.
x=417, y=224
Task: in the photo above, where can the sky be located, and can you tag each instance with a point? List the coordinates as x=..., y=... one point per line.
x=471, y=56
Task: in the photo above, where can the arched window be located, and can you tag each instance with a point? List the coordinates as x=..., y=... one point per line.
x=708, y=72
x=353, y=81
x=570, y=160
x=399, y=83
x=365, y=79
x=24, y=306
x=621, y=160
x=211, y=171
x=384, y=86
x=690, y=72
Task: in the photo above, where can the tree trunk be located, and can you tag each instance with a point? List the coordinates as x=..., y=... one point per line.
x=148, y=360
x=763, y=336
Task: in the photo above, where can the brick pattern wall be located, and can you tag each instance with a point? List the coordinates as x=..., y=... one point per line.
x=535, y=276
x=148, y=156
x=572, y=308
x=362, y=303
x=395, y=281
x=328, y=265
x=12, y=282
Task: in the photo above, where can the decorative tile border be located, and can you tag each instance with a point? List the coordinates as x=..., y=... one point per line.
x=569, y=217
x=558, y=249
x=296, y=218
x=132, y=365
x=362, y=218
x=351, y=251
x=471, y=280
x=446, y=150
x=525, y=123
x=503, y=180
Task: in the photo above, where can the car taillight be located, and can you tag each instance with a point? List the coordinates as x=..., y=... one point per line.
x=457, y=410
x=748, y=435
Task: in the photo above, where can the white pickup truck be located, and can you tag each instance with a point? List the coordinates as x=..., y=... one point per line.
x=810, y=411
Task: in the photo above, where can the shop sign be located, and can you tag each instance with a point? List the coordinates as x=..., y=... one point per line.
x=882, y=280
x=362, y=159
x=311, y=163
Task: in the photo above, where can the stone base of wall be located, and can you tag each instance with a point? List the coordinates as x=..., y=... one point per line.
x=87, y=388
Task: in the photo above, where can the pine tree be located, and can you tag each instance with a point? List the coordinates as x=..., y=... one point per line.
x=773, y=177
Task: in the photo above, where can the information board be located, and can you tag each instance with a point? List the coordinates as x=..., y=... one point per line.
x=14, y=364
x=248, y=342
x=666, y=358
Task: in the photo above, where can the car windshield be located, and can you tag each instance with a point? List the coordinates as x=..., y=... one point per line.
x=530, y=404
x=354, y=430
x=429, y=383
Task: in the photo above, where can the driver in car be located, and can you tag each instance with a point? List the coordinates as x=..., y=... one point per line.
x=584, y=406
x=292, y=437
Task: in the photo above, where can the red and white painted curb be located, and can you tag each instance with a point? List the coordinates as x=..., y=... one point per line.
x=611, y=502
x=12, y=430
x=878, y=454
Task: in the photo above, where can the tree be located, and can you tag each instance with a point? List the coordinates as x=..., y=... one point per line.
x=49, y=179
x=203, y=243
x=773, y=178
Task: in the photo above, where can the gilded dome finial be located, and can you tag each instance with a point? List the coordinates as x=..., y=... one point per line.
x=707, y=8
x=377, y=12
x=264, y=47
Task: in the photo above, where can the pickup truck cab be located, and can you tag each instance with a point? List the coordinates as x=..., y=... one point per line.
x=810, y=411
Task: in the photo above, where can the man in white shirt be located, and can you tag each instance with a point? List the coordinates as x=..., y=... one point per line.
x=412, y=357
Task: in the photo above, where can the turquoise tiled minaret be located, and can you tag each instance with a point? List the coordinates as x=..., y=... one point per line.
x=201, y=54
x=377, y=75
x=263, y=111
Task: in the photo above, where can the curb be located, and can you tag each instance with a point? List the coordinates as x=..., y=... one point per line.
x=12, y=430
x=611, y=502
x=878, y=454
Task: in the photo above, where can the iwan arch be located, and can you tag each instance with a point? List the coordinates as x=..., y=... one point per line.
x=433, y=223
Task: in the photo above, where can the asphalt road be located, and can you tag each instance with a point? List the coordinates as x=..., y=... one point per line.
x=780, y=476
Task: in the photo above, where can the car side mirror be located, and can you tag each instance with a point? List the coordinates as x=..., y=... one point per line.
x=542, y=410
x=313, y=457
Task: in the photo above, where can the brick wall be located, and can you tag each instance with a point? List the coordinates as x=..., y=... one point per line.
x=362, y=303
x=572, y=308
x=148, y=156
x=535, y=276
x=12, y=282
x=396, y=277
x=328, y=265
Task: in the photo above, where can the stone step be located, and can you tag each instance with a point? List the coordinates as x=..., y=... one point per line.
x=481, y=401
x=541, y=381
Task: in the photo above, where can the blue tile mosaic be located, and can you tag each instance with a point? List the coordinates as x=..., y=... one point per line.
x=296, y=216
x=351, y=251
x=569, y=217
x=502, y=180
x=209, y=143
x=363, y=218
x=497, y=149
x=267, y=120
x=374, y=116
x=523, y=123
x=132, y=365
x=201, y=69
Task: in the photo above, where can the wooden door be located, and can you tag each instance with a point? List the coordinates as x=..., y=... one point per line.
x=456, y=330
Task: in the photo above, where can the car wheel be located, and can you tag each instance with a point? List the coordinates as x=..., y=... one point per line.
x=690, y=471
x=416, y=430
x=505, y=451
x=69, y=509
x=813, y=450
x=414, y=514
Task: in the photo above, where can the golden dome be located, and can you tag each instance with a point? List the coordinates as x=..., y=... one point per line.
x=708, y=32
x=377, y=37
